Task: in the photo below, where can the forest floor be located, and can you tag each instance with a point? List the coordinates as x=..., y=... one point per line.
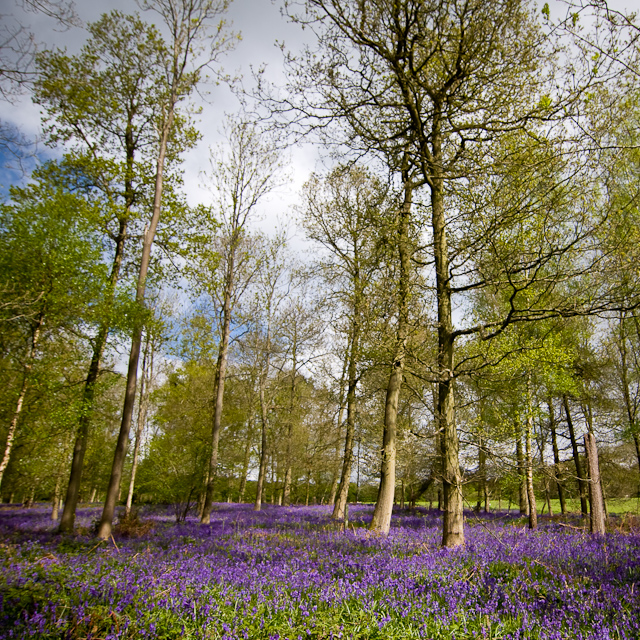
x=290, y=573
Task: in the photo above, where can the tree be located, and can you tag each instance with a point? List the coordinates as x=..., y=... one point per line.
x=51, y=273
x=269, y=297
x=109, y=122
x=188, y=23
x=342, y=214
x=441, y=87
x=227, y=264
x=301, y=336
x=153, y=338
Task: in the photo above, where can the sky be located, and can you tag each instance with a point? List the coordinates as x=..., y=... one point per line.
x=260, y=24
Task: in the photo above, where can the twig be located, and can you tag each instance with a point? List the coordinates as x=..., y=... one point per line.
x=570, y=526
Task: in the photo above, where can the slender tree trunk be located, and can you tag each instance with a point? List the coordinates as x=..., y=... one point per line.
x=533, y=510
x=556, y=456
x=55, y=503
x=143, y=405
x=522, y=480
x=624, y=375
x=576, y=458
x=357, y=478
x=545, y=471
x=28, y=366
x=32, y=494
x=636, y=441
x=334, y=485
x=335, y=478
x=352, y=381
x=80, y=447
x=104, y=529
x=286, y=491
x=221, y=375
x=483, y=493
x=453, y=522
x=264, y=452
x=245, y=462
x=596, y=501
x=203, y=495
x=381, y=520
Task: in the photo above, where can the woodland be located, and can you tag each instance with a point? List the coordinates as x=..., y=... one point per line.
x=445, y=331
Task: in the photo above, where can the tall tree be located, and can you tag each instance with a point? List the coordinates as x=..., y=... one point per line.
x=269, y=297
x=191, y=24
x=109, y=123
x=443, y=83
x=242, y=176
x=342, y=214
x=301, y=336
x=51, y=272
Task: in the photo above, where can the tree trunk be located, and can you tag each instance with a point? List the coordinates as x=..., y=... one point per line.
x=32, y=494
x=345, y=477
x=203, y=495
x=483, y=494
x=357, y=479
x=245, y=462
x=335, y=478
x=381, y=520
x=55, y=503
x=82, y=434
x=334, y=485
x=143, y=404
x=104, y=529
x=221, y=375
x=264, y=453
x=576, y=458
x=286, y=491
x=556, y=457
x=596, y=501
x=533, y=510
x=522, y=480
x=453, y=521
x=28, y=366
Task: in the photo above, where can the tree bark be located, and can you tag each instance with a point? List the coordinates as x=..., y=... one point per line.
x=104, y=529
x=556, y=456
x=264, y=450
x=381, y=520
x=453, y=522
x=245, y=462
x=576, y=458
x=522, y=479
x=483, y=493
x=597, y=520
x=286, y=490
x=352, y=381
x=82, y=434
x=221, y=376
x=533, y=510
x=55, y=503
x=143, y=404
x=334, y=484
x=28, y=366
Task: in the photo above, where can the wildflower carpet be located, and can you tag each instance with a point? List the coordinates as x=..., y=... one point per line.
x=289, y=573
